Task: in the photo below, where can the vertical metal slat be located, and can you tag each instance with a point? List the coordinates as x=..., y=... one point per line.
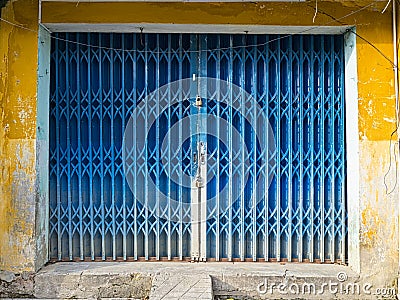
x=135, y=152
x=180, y=188
x=146, y=188
x=266, y=153
x=59, y=229
x=124, y=215
x=332, y=148
x=79, y=150
x=68, y=114
x=218, y=108
x=290, y=146
x=230, y=203
x=157, y=152
x=92, y=229
x=101, y=152
x=311, y=132
x=301, y=149
x=254, y=149
x=242, y=131
x=112, y=115
x=278, y=156
x=342, y=159
x=322, y=150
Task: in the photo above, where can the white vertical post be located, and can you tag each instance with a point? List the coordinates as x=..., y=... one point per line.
x=352, y=151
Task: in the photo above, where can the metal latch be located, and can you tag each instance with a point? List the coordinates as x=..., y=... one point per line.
x=201, y=157
x=201, y=149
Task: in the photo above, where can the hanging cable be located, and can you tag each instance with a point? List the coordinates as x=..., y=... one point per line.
x=396, y=87
x=316, y=11
x=308, y=30
x=373, y=46
x=387, y=5
x=395, y=68
x=141, y=36
x=17, y=25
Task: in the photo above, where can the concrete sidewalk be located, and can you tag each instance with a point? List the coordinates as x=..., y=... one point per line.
x=181, y=286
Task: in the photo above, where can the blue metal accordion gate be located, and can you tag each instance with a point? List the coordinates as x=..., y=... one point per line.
x=145, y=126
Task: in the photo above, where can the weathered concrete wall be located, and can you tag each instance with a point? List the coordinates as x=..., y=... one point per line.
x=378, y=235
x=18, y=80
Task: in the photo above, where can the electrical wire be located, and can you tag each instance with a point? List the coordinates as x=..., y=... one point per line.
x=395, y=56
x=395, y=67
x=316, y=11
x=201, y=50
x=17, y=25
x=373, y=46
x=387, y=5
x=390, y=165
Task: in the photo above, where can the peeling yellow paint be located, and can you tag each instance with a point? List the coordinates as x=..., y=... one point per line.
x=18, y=65
x=379, y=213
x=370, y=222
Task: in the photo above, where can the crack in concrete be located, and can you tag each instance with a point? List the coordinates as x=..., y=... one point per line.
x=190, y=288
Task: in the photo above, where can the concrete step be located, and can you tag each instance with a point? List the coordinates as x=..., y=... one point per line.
x=183, y=280
x=92, y=281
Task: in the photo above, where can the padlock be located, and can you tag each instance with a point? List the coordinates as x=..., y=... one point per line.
x=199, y=182
x=198, y=102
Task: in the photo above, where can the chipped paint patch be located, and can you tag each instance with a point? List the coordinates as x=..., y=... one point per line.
x=379, y=214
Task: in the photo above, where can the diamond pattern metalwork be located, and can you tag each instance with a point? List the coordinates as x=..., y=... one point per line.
x=300, y=214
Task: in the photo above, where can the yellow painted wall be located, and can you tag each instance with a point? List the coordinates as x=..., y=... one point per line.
x=18, y=65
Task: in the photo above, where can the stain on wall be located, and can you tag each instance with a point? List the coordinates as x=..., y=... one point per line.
x=379, y=217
